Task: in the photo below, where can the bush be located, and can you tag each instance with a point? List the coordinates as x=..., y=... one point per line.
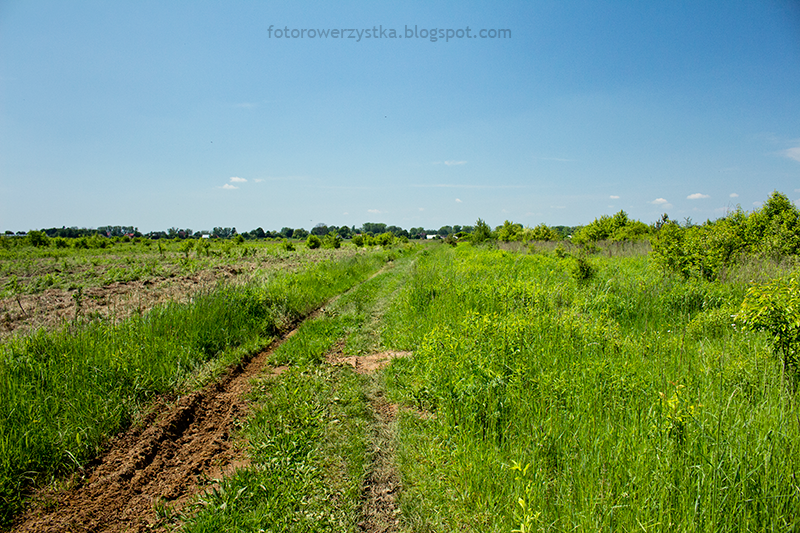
x=313, y=242
x=582, y=270
x=38, y=238
x=774, y=307
x=287, y=245
x=616, y=228
x=481, y=233
x=332, y=240
x=706, y=251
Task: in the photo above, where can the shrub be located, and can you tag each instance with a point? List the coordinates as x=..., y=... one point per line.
x=331, y=240
x=774, y=307
x=508, y=232
x=705, y=251
x=481, y=233
x=313, y=242
x=38, y=238
x=582, y=270
x=287, y=245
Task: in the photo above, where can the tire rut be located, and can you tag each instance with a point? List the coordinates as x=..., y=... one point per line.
x=165, y=464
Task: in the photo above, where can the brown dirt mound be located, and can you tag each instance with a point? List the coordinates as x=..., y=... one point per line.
x=160, y=466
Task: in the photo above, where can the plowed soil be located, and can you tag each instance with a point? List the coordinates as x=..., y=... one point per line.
x=159, y=465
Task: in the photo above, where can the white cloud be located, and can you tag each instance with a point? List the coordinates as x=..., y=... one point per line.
x=458, y=201
x=258, y=180
x=374, y=211
x=345, y=213
x=734, y=195
x=558, y=207
x=422, y=209
x=659, y=201
x=792, y=153
x=235, y=179
x=451, y=163
x=697, y=196
x=757, y=204
x=614, y=197
x=229, y=186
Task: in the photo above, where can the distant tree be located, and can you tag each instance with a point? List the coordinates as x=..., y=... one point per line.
x=509, y=231
x=320, y=230
x=373, y=228
x=540, y=233
x=300, y=233
x=286, y=232
x=482, y=232
x=416, y=233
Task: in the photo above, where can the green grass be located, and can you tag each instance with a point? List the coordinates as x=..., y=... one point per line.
x=63, y=393
x=627, y=402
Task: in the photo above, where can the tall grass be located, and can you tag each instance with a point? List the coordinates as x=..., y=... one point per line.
x=627, y=402
x=63, y=393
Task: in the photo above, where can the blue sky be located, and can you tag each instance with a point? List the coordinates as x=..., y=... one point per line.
x=194, y=114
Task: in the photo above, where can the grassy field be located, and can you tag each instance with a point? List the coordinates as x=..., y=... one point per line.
x=543, y=390
x=63, y=392
x=626, y=400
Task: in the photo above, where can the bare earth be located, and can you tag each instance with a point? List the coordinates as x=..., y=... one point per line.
x=116, y=301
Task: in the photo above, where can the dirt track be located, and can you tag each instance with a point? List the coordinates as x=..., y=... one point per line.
x=168, y=460
x=181, y=450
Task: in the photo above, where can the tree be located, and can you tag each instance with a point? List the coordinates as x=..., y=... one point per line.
x=509, y=231
x=482, y=232
x=320, y=230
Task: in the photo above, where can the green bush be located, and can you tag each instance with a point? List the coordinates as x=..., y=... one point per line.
x=707, y=251
x=38, y=238
x=332, y=240
x=774, y=307
x=313, y=242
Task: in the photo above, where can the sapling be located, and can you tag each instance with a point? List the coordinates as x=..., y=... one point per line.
x=774, y=307
x=78, y=297
x=13, y=286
